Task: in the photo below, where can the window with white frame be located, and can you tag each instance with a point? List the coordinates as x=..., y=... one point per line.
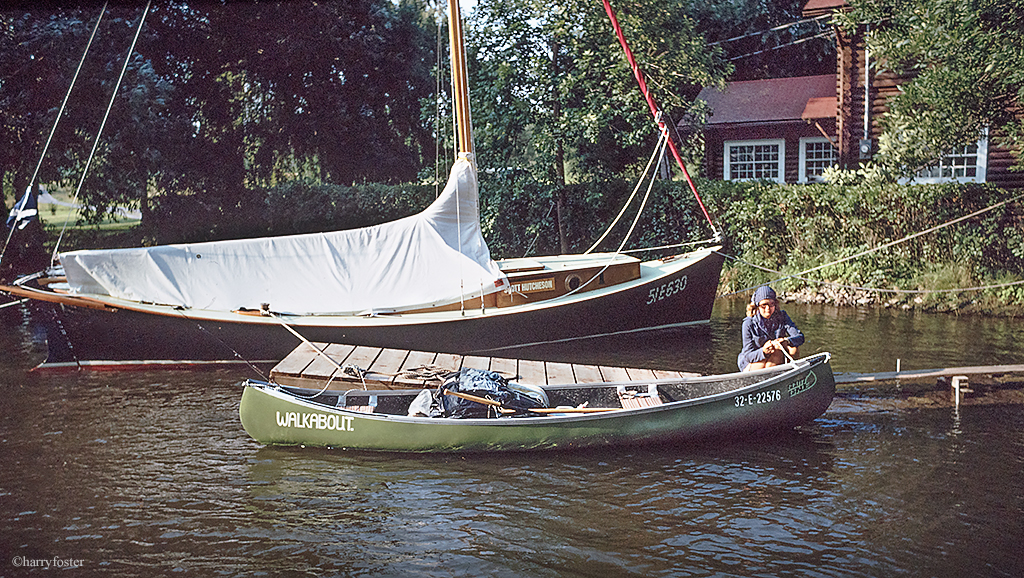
x=967, y=164
x=755, y=159
x=816, y=155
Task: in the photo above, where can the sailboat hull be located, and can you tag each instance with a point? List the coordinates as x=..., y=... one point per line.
x=111, y=334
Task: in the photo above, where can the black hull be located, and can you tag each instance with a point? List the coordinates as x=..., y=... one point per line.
x=95, y=338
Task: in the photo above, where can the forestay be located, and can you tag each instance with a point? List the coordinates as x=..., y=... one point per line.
x=438, y=255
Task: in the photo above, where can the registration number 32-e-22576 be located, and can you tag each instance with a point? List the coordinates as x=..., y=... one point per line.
x=758, y=397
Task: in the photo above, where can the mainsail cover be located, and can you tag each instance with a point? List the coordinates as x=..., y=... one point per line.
x=436, y=256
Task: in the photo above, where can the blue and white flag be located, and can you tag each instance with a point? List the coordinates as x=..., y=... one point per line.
x=25, y=210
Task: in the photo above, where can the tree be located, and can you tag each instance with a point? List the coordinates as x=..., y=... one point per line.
x=767, y=39
x=219, y=99
x=964, y=61
x=553, y=94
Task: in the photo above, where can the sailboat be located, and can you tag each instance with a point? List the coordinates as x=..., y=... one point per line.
x=424, y=282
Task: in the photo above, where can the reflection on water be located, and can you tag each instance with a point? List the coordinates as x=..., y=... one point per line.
x=151, y=473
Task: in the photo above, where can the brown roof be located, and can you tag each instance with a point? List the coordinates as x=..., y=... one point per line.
x=772, y=100
x=820, y=107
x=819, y=7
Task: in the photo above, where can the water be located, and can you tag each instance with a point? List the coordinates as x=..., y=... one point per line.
x=150, y=473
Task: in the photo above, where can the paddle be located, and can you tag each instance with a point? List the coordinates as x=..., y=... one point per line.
x=542, y=410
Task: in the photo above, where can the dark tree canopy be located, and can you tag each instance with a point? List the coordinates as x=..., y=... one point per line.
x=218, y=97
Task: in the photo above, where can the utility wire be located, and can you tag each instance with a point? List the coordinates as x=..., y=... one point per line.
x=763, y=32
x=827, y=33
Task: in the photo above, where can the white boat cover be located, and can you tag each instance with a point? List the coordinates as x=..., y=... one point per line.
x=436, y=256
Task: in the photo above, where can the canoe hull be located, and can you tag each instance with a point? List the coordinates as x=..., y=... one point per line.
x=674, y=295
x=782, y=401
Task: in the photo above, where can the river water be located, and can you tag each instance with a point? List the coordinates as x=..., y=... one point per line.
x=150, y=473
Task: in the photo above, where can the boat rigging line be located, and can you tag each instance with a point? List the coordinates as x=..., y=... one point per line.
x=181, y=311
x=13, y=303
x=56, y=121
x=656, y=112
x=346, y=369
x=801, y=274
x=99, y=133
x=659, y=153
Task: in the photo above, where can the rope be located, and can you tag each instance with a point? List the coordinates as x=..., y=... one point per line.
x=656, y=111
x=858, y=287
x=659, y=152
x=673, y=246
x=348, y=369
x=56, y=121
x=95, y=144
x=775, y=29
x=801, y=274
x=181, y=311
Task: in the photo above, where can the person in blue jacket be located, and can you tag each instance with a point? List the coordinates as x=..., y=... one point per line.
x=767, y=332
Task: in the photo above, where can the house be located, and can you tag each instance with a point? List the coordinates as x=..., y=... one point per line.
x=790, y=129
x=782, y=129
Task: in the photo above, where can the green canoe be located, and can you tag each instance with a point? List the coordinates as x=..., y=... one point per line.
x=687, y=409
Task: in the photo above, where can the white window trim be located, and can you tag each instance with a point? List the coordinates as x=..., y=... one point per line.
x=804, y=141
x=980, y=174
x=782, y=157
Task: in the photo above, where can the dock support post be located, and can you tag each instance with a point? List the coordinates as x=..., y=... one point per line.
x=957, y=380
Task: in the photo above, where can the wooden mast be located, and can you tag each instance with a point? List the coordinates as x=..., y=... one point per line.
x=460, y=82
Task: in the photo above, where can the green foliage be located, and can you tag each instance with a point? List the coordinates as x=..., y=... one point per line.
x=793, y=228
x=554, y=95
x=219, y=98
x=965, y=68
x=518, y=217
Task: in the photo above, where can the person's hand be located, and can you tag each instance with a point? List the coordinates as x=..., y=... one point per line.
x=771, y=347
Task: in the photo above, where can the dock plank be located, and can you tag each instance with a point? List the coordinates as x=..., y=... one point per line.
x=449, y=361
x=506, y=367
x=613, y=373
x=845, y=378
x=559, y=373
x=386, y=366
x=587, y=373
x=532, y=372
x=384, y=369
x=416, y=365
x=298, y=359
x=362, y=358
x=476, y=362
x=638, y=374
x=322, y=368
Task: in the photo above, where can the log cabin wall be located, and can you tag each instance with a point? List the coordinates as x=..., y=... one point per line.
x=883, y=84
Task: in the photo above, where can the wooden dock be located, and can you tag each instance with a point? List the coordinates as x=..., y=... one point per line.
x=853, y=378
x=379, y=368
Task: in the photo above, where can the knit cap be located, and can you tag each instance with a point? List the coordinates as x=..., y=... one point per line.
x=763, y=292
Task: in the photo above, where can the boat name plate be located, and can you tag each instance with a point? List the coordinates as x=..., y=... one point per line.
x=305, y=420
x=534, y=286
